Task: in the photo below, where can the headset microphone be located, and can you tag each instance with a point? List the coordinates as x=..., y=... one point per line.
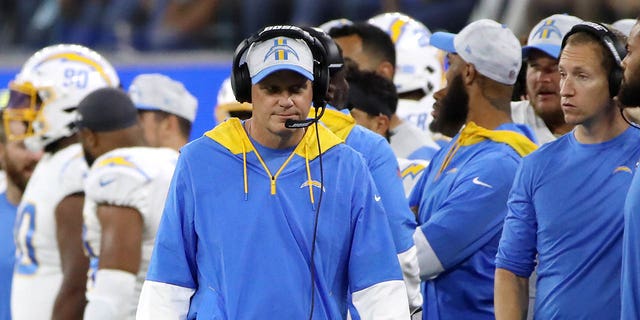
x=297, y=124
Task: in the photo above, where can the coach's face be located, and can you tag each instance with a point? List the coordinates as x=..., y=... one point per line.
x=629, y=94
x=280, y=96
x=584, y=83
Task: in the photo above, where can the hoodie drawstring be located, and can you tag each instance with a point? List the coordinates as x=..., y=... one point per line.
x=244, y=172
x=273, y=176
x=309, y=180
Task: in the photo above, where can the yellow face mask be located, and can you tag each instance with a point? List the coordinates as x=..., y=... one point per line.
x=24, y=105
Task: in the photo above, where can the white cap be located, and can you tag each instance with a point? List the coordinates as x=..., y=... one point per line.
x=155, y=91
x=491, y=47
x=281, y=53
x=547, y=35
x=625, y=25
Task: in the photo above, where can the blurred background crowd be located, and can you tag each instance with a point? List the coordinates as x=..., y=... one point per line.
x=152, y=25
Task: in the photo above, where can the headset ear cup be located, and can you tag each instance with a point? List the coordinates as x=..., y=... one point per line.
x=331, y=55
x=320, y=72
x=240, y=79
x=320, y=84
x=241, y=84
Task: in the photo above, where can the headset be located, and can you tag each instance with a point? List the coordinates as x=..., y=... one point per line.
x=241, y=80
x=614, y=44
x=335, y=60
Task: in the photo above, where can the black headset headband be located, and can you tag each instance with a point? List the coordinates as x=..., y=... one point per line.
x=335, y=60
x=600, y=31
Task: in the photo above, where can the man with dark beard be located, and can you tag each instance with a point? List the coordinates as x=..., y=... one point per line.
x=461, y=197
x=18, y=164
x=629, y=95
x=448, y=121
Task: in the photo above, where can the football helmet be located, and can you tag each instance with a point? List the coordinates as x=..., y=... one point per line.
x=49, y=86
x=228, y=106
x=417, y=65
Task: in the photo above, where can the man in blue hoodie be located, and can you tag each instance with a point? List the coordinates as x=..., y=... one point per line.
x=274, y=217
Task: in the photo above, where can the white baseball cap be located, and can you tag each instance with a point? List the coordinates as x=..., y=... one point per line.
x=491, y=47
x=625, y=25
x=547, y=35
x=280, y=53
x=157, y=92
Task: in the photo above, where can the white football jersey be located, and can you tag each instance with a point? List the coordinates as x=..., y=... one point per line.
x=409, y=142
x=38, y=275
x=410, y=172
x=417, y=112
x=138, y=178
x=522, y=112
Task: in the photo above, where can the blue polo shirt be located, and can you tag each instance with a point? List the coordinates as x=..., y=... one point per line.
x=566, y=207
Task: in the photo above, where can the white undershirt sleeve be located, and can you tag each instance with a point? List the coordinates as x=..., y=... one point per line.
x=430, y=266
x=163, y=301
x=411, y=274
x=381, y=301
